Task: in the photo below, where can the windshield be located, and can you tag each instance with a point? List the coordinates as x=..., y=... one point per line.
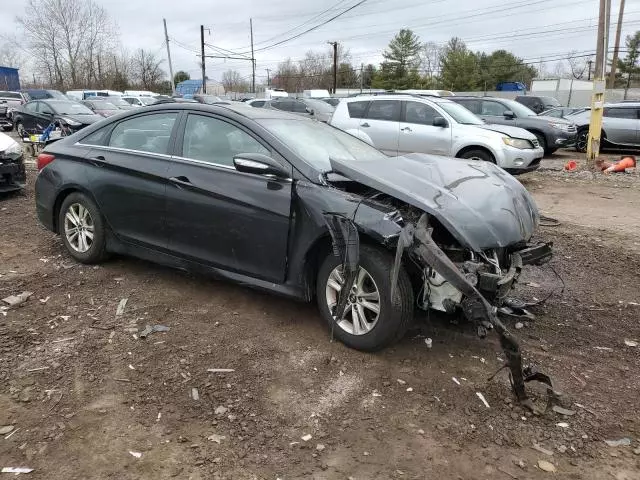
x=70, y=108
x=148, y=100
x=316, y=142
x=517, y=108
x=460, y=114
x=550, y=102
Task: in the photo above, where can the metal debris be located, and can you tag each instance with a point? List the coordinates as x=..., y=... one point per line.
x=121, y=305
x=135, y=454
x=483, y=400
x=562, y=425
x=220, y=370
x=194, y=394
x=306, y=437
x=6, y=429
x=216, y=438
x=623, y=442
x=16, y=470
x=563, y=411
x=630, y=343
x=149, y=329
x=15, y=300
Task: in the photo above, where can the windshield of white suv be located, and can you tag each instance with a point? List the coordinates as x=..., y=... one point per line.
x=460, y=114
x=316, y=142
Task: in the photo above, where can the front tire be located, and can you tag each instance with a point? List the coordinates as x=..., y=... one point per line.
x=20, y=129
x=372, y=320
x=82, y=229
x=478, y=154
x=581, y=140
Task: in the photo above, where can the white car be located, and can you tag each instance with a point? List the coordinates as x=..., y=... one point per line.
x=401, y=124
x=139, y=101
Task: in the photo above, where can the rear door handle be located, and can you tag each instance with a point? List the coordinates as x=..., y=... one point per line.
x=97, y=161
x=406, y=129
x=365, y=125
x=181, y=180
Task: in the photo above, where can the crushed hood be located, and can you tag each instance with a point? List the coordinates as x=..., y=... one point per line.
x=514, y=132
x=480, y=204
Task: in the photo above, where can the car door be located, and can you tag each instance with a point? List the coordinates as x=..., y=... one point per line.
x=221, y=217
x=129, y=180
x=417, y=132
x=381, y=123
x=620, y=124
x=29, y=116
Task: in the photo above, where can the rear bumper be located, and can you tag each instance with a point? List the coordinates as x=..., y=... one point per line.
x=12, y=176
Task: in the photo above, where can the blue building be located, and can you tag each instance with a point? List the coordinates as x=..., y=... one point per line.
x=9, y=78
x=188, y=87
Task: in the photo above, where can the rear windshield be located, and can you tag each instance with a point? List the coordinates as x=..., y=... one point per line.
x=15, y=95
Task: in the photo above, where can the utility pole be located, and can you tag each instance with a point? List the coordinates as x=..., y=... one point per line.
x=616, y=47
x=253, y=60
x=335, y=65
x=590, y=62
x=361, y=76
x=268, y=77
x=599, y=85
x=166, y=38
x=204, y=75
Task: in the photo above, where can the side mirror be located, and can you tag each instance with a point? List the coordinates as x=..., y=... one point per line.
x=310, y=111
x=509, y=115
x=259, y=164
x=440, y=122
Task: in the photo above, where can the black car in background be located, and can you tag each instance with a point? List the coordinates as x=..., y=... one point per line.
x=538, y=104
x=292, y=206
x=36, y=115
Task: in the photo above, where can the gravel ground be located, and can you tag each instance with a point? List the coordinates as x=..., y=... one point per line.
x=86, y=398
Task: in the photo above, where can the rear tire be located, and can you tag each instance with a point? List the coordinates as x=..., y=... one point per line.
x=394, y=314
x=478, y=154
x=81, y=227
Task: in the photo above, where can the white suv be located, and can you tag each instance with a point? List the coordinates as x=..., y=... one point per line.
x=401, y=124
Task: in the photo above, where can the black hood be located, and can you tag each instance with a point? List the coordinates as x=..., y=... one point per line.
x=480, y=204
x=83, y=119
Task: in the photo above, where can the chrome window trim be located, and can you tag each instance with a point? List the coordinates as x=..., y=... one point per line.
x=126, y=150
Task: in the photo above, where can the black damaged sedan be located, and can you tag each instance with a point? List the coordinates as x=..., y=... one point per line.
x=298, y=208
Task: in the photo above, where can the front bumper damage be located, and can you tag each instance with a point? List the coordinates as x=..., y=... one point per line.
x=479, y=293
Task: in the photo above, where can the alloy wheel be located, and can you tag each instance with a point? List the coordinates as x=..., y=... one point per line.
x=581, y=141
x=363, y=304
x=78, y=228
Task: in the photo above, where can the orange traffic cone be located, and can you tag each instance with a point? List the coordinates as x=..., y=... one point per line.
x=624, y=163
x=571, y=165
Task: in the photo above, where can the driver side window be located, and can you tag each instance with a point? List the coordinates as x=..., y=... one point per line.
x=493, y=109
x=44, y=108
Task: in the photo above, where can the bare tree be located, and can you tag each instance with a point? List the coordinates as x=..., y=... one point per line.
x=232, y=81
x=430, y=58
x=559, y=70
x=577, y=64
x=146, y=69
x=65, y=38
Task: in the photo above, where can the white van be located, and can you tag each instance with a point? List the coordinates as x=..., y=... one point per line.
x=139, y=93
x=270, y=93
x=318, y=93
x=79, y=95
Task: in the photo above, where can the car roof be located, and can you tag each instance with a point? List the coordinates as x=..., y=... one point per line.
x=623, y=104
x=238, y=108
x=398, y=96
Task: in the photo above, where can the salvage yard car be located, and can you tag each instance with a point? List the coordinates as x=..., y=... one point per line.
x=401, y=124
x=295, y=207
x=35, y=116
x=620, y=126
x=12, y=172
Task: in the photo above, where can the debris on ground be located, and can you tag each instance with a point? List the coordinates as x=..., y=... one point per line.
x=121, y=306
x=216, y=438
x=429, y=342
x=539, y=448
x=630, y=343
x=194, y=394
x=135, y=454
x=320, y=447
x=306, y=437
x=483, y=400
x=455, y=380
x=220, y=370
x=546, y=466
x=16, y=470
x=563, y=411
x=562, y=425
x=6, y=429
x=625, y=162
x=220, y=410
x=623, y=442
x=149, y=329
x=15, y=300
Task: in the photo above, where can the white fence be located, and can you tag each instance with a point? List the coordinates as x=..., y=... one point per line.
x=569, y=98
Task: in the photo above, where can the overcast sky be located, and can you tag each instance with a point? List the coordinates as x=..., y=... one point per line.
x=532, y=29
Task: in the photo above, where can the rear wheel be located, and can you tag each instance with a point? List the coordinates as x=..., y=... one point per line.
x=82, y=229
x=477, y=154
x=20, y=129
x=372, y=319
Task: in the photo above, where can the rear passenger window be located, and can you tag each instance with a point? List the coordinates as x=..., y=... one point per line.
x=96, y=138
x=493, y=109
x=471, y=105
x=384, y=110
x=148, y=133
x=357, y=109
x=629, y=113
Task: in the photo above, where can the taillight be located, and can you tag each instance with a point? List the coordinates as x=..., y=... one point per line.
x=45, y=159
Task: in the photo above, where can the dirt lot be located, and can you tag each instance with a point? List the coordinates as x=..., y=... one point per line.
x=88, y=399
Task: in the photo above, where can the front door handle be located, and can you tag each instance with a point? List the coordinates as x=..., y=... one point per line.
x=181, y=180
x=97, y=161
x=406, y=129
x=365, y=125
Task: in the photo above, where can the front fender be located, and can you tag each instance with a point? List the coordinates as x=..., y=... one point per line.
x=361, y=135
